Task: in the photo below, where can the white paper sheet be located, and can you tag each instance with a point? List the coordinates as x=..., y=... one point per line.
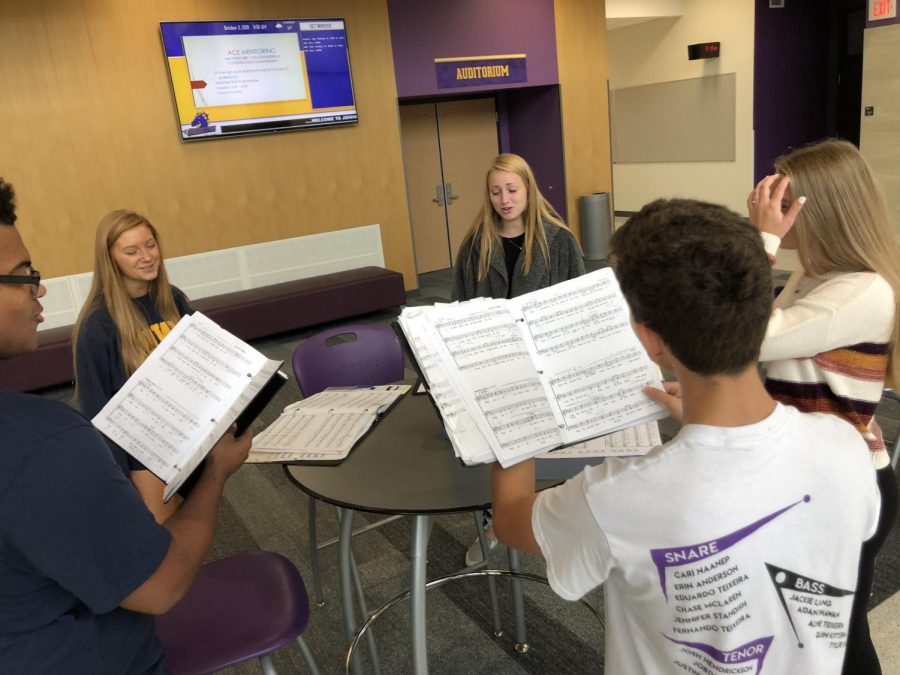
x=537, y=372
x=324, y=427
x=183, y=398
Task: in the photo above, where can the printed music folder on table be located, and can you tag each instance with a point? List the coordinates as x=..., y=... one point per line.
x=198, y=381
x=324, y=428
x=516, y=378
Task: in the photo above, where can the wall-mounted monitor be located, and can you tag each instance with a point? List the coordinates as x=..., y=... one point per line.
x=233, y=78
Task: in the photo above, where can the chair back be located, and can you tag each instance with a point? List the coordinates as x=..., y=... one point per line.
x=355, y=355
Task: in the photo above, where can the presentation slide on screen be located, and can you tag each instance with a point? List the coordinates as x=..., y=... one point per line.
x=238, y=69
x=231, y=78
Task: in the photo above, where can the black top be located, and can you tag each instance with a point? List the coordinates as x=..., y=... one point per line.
x=564, y=261
x=75, y=540
x=512, y=249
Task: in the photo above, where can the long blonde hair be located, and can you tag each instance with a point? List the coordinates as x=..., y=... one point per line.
x=486, y=226
x=843, y=227
x=108, y=290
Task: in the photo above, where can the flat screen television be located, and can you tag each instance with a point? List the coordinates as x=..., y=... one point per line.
x=233, y=78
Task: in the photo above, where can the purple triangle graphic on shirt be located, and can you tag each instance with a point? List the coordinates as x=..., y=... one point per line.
x=755, y=650
x=691, y=554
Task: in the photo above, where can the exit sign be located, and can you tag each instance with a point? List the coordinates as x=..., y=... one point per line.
x=882, y=9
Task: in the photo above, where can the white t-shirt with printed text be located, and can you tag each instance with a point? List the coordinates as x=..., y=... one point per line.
x=729, y=550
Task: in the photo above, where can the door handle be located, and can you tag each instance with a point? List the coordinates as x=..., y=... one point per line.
x=439, y=191
x=448, y=189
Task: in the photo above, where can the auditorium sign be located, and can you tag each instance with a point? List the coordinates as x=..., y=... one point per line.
x=479, y=71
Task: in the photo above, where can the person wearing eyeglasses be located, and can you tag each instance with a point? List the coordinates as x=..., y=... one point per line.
x=130, y=308
x=83, y=563
x=23, y=274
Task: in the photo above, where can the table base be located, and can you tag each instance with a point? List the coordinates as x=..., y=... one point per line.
x=515, y=576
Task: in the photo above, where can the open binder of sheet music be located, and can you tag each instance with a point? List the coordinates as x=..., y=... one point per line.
x=323, y=428
x=197, y=382
x=516, y=378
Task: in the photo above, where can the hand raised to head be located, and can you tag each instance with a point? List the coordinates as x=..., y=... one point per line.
x=764, y=203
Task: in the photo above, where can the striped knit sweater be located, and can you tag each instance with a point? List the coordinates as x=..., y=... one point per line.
x=827, y=346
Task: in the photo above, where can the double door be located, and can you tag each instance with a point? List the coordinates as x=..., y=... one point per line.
x=447, y=149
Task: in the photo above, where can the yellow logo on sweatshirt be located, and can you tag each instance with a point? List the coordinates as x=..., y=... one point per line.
x=161, y=329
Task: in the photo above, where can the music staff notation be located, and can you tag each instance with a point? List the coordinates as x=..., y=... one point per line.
x=624, y=377
x=586, y=338
x=581, y=324
x=560, y=298
x=562, y=313
x=623, y=358
x=494, y=360
x=522, y=421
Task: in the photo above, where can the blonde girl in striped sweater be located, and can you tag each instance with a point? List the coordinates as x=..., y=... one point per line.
x=831, y=343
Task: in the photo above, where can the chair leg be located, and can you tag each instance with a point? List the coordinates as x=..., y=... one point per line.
x=265, y=661
x=314, y=552
x=308, y=656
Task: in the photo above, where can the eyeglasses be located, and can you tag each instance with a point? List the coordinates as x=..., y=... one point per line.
x=33, y=277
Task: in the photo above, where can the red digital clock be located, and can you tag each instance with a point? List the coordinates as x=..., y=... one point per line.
x=703, y=50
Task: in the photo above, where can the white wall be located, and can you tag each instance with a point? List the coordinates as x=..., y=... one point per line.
x=235, y=269
x=633, y=9
x=880, y=133
x=656, y=51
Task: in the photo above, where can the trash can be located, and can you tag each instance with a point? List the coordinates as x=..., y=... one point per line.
x=595, y=225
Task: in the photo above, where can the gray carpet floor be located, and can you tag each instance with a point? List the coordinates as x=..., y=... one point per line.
x=263, y=510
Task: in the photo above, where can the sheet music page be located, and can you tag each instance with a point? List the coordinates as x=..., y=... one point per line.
x=325, y=426
x=491, y=368
x=589, y=359
x=316, y=435
x=184, y=396
x=466, y=438
x=633, y=441
x=351, y=397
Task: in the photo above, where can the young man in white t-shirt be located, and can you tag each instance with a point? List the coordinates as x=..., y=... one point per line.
x=734, y=547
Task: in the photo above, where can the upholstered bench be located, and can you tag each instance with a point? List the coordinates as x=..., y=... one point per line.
x=250, y=314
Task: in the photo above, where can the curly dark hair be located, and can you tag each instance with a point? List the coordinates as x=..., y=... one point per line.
x=7, y=203
x=696, y=274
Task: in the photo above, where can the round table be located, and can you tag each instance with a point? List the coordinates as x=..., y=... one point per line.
x=404, y=465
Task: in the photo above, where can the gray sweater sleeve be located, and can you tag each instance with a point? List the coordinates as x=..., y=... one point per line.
x=567, y=261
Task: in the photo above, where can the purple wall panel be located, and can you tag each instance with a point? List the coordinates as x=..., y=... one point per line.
x=790, y=80
x=798, y=58
x=535, y=132
x=422, y=31
x=502, y=122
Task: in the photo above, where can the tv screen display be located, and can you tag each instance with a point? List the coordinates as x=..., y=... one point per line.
x=245, y=77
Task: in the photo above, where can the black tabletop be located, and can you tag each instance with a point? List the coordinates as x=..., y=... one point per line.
x=403, y=465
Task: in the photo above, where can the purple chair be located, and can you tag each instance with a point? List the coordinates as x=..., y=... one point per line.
x=344, y=356
x=237, y=609
x=348, y=356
